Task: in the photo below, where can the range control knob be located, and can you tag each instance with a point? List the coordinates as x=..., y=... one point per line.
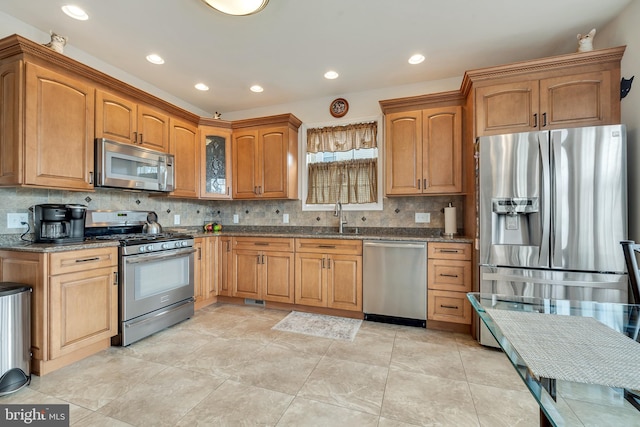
x=164, y=246
x=149, y=247
x=141, y=249
x=178, y=244
x=184, y=243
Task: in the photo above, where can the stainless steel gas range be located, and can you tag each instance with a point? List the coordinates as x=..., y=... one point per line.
x=156, y=282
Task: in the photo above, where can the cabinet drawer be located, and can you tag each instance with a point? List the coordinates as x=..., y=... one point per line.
x=263, y=244
x=81, y=260
x=445, y=250
x=449, y=275
x=329, y=246
x=447, y=306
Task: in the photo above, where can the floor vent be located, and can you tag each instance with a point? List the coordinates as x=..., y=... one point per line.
x=258, y=302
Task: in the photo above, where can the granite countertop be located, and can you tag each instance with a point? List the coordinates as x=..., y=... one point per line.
x=351, y=233
x=361, y=233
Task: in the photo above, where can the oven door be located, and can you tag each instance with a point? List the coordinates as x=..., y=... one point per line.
x=155, y=280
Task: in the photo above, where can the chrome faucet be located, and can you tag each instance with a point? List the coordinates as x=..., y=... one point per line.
x=338, y=212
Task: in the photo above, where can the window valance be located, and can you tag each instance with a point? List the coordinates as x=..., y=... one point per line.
x=342, y=138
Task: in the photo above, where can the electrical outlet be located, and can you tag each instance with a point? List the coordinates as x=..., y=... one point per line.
x=424, y=217
x=14, y=220
x=285, y=218
x=176, y=220
x=236, y=218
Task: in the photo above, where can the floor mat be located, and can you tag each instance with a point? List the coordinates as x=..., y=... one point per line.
x=319, y=325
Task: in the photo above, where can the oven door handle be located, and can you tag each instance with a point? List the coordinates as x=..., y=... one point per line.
x=154, y=256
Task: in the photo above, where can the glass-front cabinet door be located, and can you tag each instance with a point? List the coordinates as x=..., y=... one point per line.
x=215, y=168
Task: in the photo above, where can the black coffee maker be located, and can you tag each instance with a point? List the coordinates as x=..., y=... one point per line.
x=58, y=223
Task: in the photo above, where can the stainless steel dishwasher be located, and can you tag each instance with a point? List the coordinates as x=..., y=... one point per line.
x=394, y=288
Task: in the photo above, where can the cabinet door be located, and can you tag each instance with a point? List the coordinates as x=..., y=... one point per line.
x=115, y=117
x=273, y=161
x=310, y=280
x=577, y=100
x=278, y=276
x=183, y=144
x=507, y=108
x=404, y=153
x=344, y=282
x=442, y=150
x=245, y=168
x=198, y=271
x=246, y=278
x=225, y=267
x=210, y=287
x=215, y=163
x=59, y=117
x=83, y=308
x=153, y=128
x=11, y=78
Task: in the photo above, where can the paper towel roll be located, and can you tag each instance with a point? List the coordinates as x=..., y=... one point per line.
x=450, y=220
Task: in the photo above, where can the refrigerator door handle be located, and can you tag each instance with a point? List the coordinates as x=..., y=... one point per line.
x=556, y=156
x=545, y=208
x=543, y=281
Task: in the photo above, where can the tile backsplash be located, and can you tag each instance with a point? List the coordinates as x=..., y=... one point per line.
x=397, y=212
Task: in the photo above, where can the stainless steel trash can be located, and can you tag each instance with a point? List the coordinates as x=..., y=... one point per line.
x=15, y=336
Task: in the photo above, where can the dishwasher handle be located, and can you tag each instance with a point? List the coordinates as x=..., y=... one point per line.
x=395, y=245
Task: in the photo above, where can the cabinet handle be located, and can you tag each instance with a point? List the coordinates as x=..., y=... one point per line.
x=322, y=262
x=535, y=120
x=328, y=263
x=255, y=190
x=90, y=177
x=424, y=184
x=115, y=278
x=260, y=189
x=135, y=137
x=448, y=275
x=262, y=259
x=419, y=184
x=227, y=191
x=455, y=307
x=449, y=251
x=141, y=139
x=261, y=243
x=258, y=259
x=228, y=245
x=199, y=254
x=88, y=259
x=327, y=246
x=544, y=119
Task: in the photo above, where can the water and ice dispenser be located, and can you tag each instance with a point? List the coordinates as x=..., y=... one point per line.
x=515, y=221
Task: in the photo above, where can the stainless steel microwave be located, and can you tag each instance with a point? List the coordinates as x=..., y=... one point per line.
x=131, y=167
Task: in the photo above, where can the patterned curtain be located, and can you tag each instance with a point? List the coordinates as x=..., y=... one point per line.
x=342, y=138
x=351, y=181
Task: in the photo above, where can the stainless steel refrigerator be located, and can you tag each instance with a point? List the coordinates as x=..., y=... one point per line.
x=553, y=210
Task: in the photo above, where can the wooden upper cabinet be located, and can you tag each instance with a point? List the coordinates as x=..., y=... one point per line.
x=183, y=144
x=58, y=130
x=215, y=163
x=11, y=112
x=578, y=89
x=123, y=120
x=424, y=151
x=265, y=158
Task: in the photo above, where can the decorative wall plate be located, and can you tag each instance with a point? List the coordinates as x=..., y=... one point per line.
x=339, y=107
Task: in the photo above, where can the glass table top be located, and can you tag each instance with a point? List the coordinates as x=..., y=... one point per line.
x=579, y=359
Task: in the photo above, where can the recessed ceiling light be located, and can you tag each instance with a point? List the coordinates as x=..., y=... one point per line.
x=237, y=7
x=416, y=59
x=202, y=86
x=75, y=12
x=331, y=75
x=155, y=59
x=256, y=88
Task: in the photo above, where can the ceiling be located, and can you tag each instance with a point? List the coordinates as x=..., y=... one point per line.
x=287, y=47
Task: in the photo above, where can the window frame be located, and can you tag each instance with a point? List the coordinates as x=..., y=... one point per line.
x=303, y=167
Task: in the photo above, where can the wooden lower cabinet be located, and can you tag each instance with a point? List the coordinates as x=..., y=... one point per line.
x=263, y=269
x=448, y=281
x=205, y=270
x=74, y=302
x=329, y=273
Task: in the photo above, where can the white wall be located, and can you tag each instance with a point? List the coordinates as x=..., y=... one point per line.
x=624, y=30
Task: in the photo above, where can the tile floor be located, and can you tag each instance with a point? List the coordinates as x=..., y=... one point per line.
x=227, y=367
